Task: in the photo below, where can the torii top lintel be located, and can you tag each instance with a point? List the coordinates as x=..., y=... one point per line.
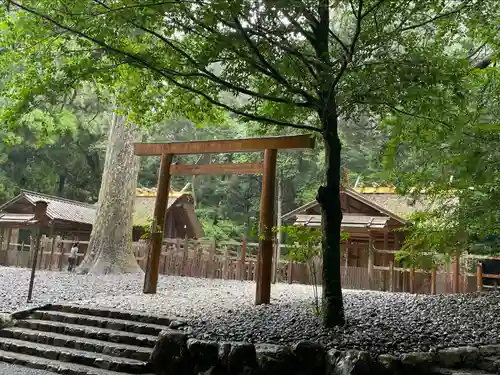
x=292, y=142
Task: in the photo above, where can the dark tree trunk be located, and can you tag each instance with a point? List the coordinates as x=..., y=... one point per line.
x=331, y=215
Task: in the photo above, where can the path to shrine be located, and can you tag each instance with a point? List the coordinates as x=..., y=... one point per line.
x=224, y=310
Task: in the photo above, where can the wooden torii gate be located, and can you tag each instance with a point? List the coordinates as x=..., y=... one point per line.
x=269, y=145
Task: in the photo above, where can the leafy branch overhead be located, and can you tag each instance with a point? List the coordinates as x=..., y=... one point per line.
x=285, y=58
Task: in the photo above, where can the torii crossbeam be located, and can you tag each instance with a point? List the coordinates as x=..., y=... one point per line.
x=269, y=145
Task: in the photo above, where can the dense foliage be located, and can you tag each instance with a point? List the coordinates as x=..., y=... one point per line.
x=307, y=65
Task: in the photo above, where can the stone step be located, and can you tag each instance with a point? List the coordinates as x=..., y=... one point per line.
x=136, y=316
x=489, y=364
x=97, y=321
x=96, y=333
x=75, y=356
x=466, y=372
x=72, y=342
x=53, y=365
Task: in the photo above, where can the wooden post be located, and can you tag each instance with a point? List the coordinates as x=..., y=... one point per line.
x=391, y=276
x=290, y=272
x=7, y=245
x=52, y=248
x=225, y=265
x=479, y=276
x=433, y=281
x=157, y=226
x=265, y=255
x=211, y=260
x=42, y=250
x=412, y=280
x=371, y=260
x=40, y=217
x=243, y=255
x=456, y=274
x=185, y=256
x=3, y=257
x=177, y=270
x=386, y=247
x=2, y=237
x=36, y=247
x=279, y=236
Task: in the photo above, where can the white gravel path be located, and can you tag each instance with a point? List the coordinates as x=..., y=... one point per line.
x=223, y=309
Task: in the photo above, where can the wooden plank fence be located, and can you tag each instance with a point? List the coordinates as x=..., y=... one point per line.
x=238, y=261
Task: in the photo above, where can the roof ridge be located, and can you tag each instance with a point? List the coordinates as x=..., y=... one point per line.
x=53, y=197
x=375, y=205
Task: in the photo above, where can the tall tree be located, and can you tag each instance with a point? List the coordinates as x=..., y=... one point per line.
x=299, y=63
x=110, y=247
x=41, y=67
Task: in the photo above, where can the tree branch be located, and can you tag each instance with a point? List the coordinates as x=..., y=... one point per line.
x=309, y=36
x=339, y=41
x=209, y=75
x=162, y=73
x=352, y=47
x=275, y=74
x=267, y=69
x=372, y=8
x=438, y=17
x=484, y=63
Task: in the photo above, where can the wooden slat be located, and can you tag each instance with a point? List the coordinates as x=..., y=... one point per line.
x=225, y=145
x=230, y=168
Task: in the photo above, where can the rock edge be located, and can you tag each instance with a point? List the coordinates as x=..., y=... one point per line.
x=175, y=352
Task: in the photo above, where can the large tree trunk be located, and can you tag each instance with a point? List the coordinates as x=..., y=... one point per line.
x=331, y=215
x=110, y=248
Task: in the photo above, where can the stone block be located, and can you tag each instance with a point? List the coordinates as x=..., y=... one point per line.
x=242, y=359
x=274, y=359
x=310, y=357
x=354, y=362
x=170, y=354
x=204, y=354
x=461, y=357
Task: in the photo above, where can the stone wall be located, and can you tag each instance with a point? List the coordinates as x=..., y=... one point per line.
x=176, y=353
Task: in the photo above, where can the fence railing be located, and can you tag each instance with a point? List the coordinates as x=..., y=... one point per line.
x=238, y=261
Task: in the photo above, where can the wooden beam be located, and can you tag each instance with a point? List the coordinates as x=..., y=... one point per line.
x=265, y=255
x=230, y=168
x=158, y=225
x=225, y=145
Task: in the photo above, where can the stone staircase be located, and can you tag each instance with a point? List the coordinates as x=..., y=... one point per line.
x=81, y=340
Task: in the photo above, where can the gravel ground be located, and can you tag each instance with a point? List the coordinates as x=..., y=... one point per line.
x=223, y=309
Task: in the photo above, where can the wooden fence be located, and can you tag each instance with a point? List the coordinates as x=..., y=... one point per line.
x=238, y=261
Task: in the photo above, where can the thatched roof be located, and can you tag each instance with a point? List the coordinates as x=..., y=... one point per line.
x=84, y=213
x=61, y=209
x=144, y=206
x=383, y=199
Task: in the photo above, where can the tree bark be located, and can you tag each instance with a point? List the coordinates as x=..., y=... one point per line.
x=331, y=215
x=110, y=247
